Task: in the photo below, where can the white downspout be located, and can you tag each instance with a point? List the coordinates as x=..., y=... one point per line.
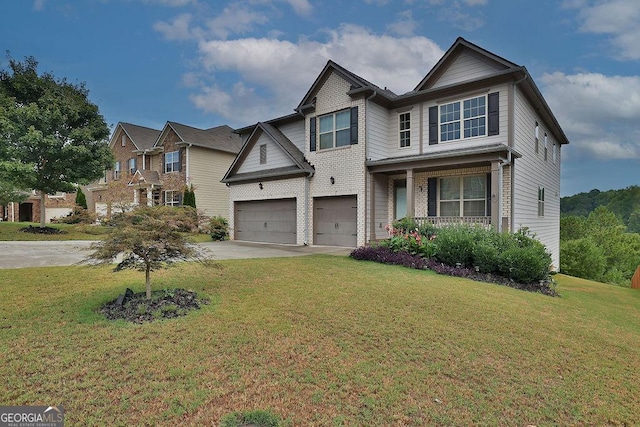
x=367, y=230
x=13, y=213
x=306, y=210
x=187, y=176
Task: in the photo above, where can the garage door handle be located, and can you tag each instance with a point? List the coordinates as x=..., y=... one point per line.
x=337, y=225
x=265, y=225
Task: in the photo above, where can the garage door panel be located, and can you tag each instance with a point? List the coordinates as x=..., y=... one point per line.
x=272, y=221
x=335, y=221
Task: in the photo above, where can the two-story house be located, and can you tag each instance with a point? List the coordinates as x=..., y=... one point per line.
x=474, y=142
x=153, y=167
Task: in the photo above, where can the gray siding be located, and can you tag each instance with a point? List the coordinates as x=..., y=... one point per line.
x=467, y=66
x=378, y=124
x=532, y=171
x=276, y=157
x=295, y=133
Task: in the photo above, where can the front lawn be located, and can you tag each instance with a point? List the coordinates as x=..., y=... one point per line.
x=322, y=340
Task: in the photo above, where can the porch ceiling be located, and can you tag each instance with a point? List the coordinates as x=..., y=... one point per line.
x=467, y=157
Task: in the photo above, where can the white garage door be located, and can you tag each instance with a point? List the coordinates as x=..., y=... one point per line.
x=272, y=221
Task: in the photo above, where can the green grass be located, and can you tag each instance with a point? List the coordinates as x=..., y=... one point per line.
x=324, y=341
x=10, y=231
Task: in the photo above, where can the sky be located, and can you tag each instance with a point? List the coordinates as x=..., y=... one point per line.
x=208, y=63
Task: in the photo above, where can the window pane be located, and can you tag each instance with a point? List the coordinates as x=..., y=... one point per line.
x=450, y=131
x=475, y=208
x=343, y=137
x=449, y=208
x=343, y=120
x=326, y=140
x=450, y=188
x=474, y=187
x=326, y=123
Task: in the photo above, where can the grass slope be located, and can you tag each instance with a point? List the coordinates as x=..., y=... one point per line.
x=322, y=340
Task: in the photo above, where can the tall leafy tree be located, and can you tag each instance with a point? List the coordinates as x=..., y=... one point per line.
x=52, y=135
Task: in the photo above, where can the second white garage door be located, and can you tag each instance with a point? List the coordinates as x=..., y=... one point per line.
x=272, y=221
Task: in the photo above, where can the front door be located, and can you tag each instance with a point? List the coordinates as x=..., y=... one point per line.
x=400, y=201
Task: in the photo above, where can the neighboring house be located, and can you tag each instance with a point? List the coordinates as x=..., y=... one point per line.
x=474, y=142
x=56, y=206
x=153, y=167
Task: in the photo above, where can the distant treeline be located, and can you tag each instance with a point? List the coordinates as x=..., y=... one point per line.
x=624, y=203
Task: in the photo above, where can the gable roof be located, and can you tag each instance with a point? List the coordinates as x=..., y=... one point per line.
x=146, y=176
x=452, y=53
x=141, y=136
x=301, y=167
x=357, y=84
x=221, y=138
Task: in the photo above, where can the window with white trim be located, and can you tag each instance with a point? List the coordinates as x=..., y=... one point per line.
x=404, y=120
x=537, y=134
x=116, y=171
x=171, y=198
x=335, y=130
x=132, y=165
x=463, y=196
x=554, y=152
x=545, y=146
x=263, y=154
x=123, y=140
x=463, y=119
x=172, y=161
x=540, y=201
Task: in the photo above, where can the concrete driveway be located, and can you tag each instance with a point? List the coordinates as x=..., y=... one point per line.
x=60, y=253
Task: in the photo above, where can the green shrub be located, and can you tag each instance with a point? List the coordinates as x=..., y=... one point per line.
x=259, y=418
x=219, y=228
x=525, y=264
x=79, y=215
x=485, y=256
x=582, y=258
x=454, y=245
x=407, y=225
x=81, y=199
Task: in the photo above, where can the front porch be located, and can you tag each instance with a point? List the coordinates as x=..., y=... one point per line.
x=473, y=188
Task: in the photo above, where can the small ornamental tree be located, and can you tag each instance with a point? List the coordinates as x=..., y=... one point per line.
x=148, y=240
x=189, y=197
x=81, y=199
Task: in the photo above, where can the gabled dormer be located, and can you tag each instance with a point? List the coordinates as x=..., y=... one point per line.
x=267, y=154
x=464, y=61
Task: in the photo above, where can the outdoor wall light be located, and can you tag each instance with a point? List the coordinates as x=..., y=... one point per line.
x=260, y=185
x=333, y=180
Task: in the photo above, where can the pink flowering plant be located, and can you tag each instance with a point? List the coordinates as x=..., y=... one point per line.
x=407, y=236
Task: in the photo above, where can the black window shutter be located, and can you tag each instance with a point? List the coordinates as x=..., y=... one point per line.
x=179, y=160
x=312, y=134
x=488, y=213
x=433, y=125
x=432, y=196
x=354, y=125
x=164, y=163
x=494, y=114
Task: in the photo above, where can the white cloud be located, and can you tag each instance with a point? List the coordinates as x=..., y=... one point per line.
x=275, y=74
x=599, y=113
x=405, y=25
x=172, y=3
x=301, y=7
x=458, y=17
x=235, y=19
x=178, y=29
x=619, y=19
x=38, y=5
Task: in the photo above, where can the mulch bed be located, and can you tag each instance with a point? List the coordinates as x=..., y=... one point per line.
x=42, y=230
x=164, y=304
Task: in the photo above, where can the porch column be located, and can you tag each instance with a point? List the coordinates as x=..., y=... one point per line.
x=496, y=197
x=136, y=198
x=410, y=202
x=372, y=208
x=149, y=197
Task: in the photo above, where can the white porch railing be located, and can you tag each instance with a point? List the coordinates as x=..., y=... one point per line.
x=444, y=221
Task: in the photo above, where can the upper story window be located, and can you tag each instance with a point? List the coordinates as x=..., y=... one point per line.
x=123, y=140
x=172, y=162
x=463, y=119
x=537, y=135
x=263, y=154
x=463, y=196
x=553, y=152
x=540, y=201
x=545, y=146
x=335, y=130
x=116, y=171
x=132, y=165
x=405, y=129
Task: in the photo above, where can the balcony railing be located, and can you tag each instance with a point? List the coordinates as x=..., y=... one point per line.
x=444, y=221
